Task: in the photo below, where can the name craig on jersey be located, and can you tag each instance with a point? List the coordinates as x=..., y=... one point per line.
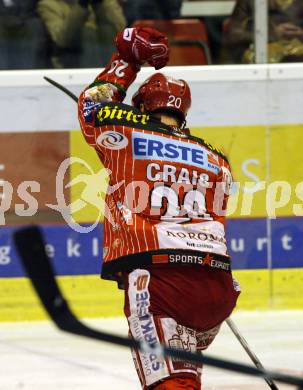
x=168, y=173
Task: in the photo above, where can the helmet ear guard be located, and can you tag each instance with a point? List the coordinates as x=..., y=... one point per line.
x=160, y=92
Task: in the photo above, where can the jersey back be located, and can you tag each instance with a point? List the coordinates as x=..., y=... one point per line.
x=168, y=191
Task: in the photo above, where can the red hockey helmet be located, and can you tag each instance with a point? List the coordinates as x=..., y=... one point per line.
x=163, y=92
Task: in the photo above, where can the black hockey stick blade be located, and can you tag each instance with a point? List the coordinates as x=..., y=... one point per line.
x=31, y=248
x=62, y=88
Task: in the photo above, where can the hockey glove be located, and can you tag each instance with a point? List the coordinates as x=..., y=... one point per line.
x=143, y=44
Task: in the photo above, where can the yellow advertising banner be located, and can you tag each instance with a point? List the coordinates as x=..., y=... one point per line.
x=86, y=174
x=267, y=163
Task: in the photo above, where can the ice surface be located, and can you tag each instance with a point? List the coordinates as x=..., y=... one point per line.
x=36, y=356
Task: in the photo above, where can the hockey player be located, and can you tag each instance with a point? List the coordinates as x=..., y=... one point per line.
x=164, y=240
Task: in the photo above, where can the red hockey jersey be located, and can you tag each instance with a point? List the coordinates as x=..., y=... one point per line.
x=170, y=189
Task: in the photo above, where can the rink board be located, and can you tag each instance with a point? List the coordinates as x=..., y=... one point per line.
x=90, y=296
x=75, y=253
x=76, y=259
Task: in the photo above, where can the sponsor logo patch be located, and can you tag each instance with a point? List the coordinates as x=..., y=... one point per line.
x=183, y=339
x=154, y=147
x=88, y=109
x=204, y=236
x=185, y=259
x=202, y=260
x=112, y=140
x=142, y=325
x=110, y=114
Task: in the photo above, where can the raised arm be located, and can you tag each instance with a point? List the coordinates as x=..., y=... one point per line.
x=135, y=46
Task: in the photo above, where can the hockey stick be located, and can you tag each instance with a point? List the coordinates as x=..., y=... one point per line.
x=31, y=248
x=62, y=88
x=250, y=353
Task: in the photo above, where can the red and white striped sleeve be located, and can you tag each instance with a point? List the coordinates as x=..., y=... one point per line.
x=109, y=86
